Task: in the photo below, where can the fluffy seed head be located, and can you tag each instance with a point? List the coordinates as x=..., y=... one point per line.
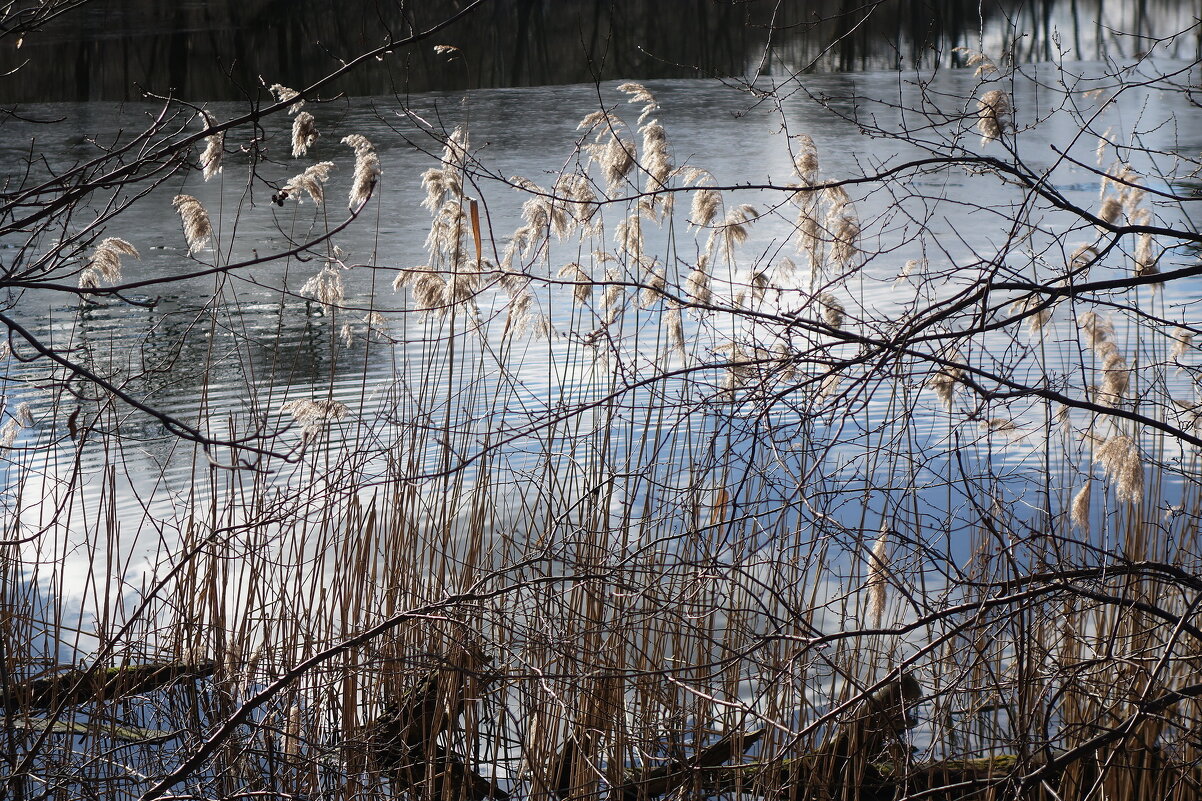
x=706, y=203
x=1120, y=458
x=326, y=288
x=805, y=163
x=429, y=293
x=197, y=228
x=106, y=259
x=1183, y=340
x=582, y=290
x=312, y=181
x=210, y=160
x=1110, y=210
x=367, y=169
x=284, y=94
x=304, y=134
x=993, y=115
x=878, y=572
x=313, y=414
x=1145, y=256
x=832, y=310
x=9, y=432
x=654, y=284
x=697, y=285
x=639, y=94
x=943, y=384
x=846, y=230
x=1080, y=507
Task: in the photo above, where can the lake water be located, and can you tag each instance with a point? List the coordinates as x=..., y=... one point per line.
x=425, y=397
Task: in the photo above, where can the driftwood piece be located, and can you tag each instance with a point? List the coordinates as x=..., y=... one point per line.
x=805, y=779
x=73, y=687
x=403, y=741
x=654, y=782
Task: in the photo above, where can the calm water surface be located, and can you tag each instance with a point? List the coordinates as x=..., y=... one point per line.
x=230, y=371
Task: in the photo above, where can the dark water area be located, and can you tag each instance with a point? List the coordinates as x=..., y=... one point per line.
x=197, y=50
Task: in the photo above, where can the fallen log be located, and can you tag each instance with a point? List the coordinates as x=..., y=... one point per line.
x=73, y=686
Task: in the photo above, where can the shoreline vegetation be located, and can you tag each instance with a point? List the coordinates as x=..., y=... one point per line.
x=878, y=479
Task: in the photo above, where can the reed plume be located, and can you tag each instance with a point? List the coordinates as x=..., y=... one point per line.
x=943, y=384
x=675, y=324
x=367, y=169
x=1083, y=257
x=582, y=289
x=311, y=181
x=1097, y=329
x=9, y=432
x=993, y=115
x=611, y=299
x=805, y=161
x=304, y=134
x=733, y=230
x=1110, y=210
x=430, y=293
x=1146, y=259
x=197, y=228
x=376, y=323
x=106, y=262
x=832, y=310
x=1120, y=459
x=1115, y=377
x=759, y=285
x=628, y=235
x=846, y=231
x=706, y=204
x=283, y=94
x=640, y=94
x=654, y=285
x=878, y=572
x=575, y=193
x=827, y=388
x=20, y=420
x=697, y=285
x=616, y=160
x=1183, y=340
x=312, y=414
x=210, y=160
x=326, y=288
x=1080, y=507
x=975, y=58
x=1037, y=318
